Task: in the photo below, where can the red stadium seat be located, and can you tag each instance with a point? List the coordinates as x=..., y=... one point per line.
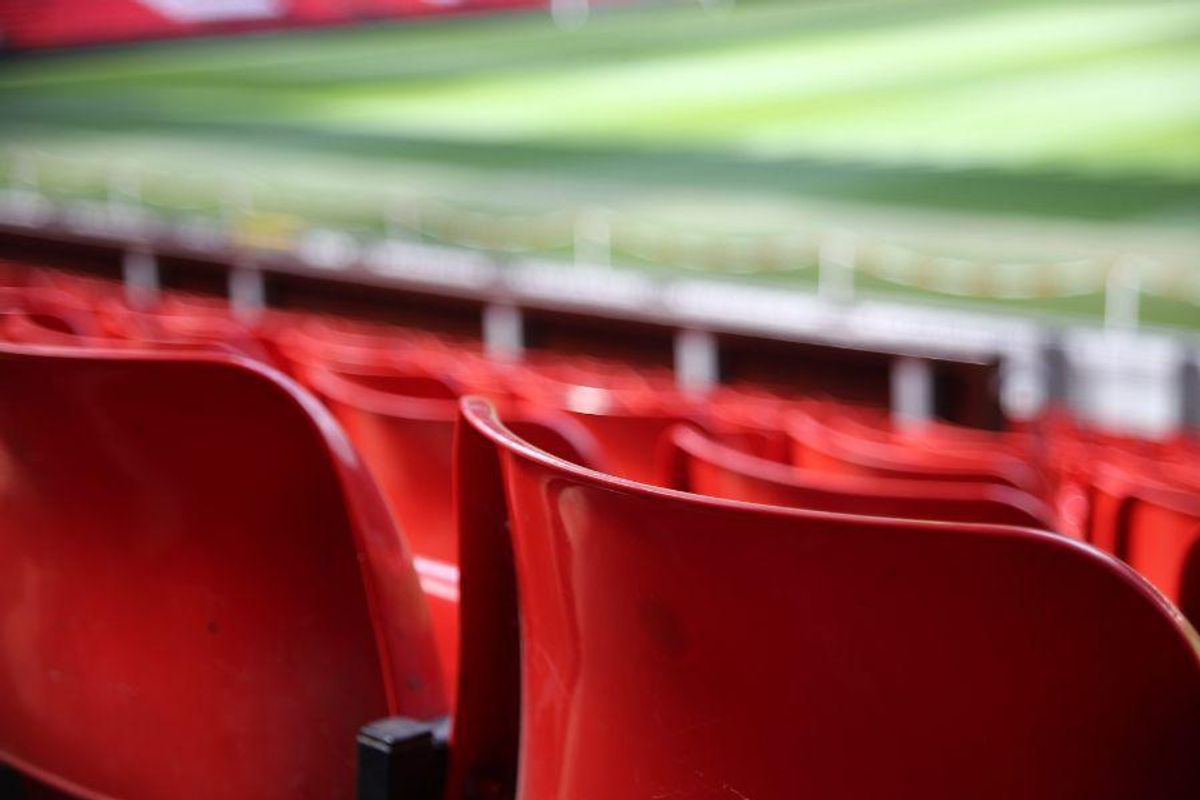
x=1153, y=527
x=305, y=340
x=627, y=423
x=628, y=440
x=407, y=442
x=201, y=592
x=361, y=349
x=696, y=463
x=625, y=410
x=38, y=328
x=173, y=321
x=751, y=421
x=672, y=645
x=819, y=445
x=50, y=308
x=415, y=385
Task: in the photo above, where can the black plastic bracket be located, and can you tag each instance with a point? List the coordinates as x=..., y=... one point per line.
x=403, y=759
x=12, y=785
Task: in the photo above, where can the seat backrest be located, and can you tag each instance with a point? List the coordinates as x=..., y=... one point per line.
x=200, y=328
x=407, y=443
x=816, y=445
x=629, y=441
x=696, y=463
x=38, y=328
x=626, y=420
x=675, y=645
x=1153, y=527
x=202, y=594
x=406, y=384
x=298, y=341
x=56, y=308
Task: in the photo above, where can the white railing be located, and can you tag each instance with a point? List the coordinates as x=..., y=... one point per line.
x=1120, y=377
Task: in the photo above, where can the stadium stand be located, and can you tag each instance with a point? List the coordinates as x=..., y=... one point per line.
x=615, y=580
x=595, y=400
x=37, y=24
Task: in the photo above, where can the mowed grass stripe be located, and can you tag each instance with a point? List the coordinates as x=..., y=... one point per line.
x=665, y=93
x=435, y=49
x=993, y=84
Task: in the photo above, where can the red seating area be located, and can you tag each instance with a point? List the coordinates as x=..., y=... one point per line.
x=220, y=528
x=671, y=642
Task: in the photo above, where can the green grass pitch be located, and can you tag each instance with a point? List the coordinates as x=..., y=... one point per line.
x=1006, y=153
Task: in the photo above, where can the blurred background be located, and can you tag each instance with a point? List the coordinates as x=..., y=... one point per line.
x=1013, y=182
